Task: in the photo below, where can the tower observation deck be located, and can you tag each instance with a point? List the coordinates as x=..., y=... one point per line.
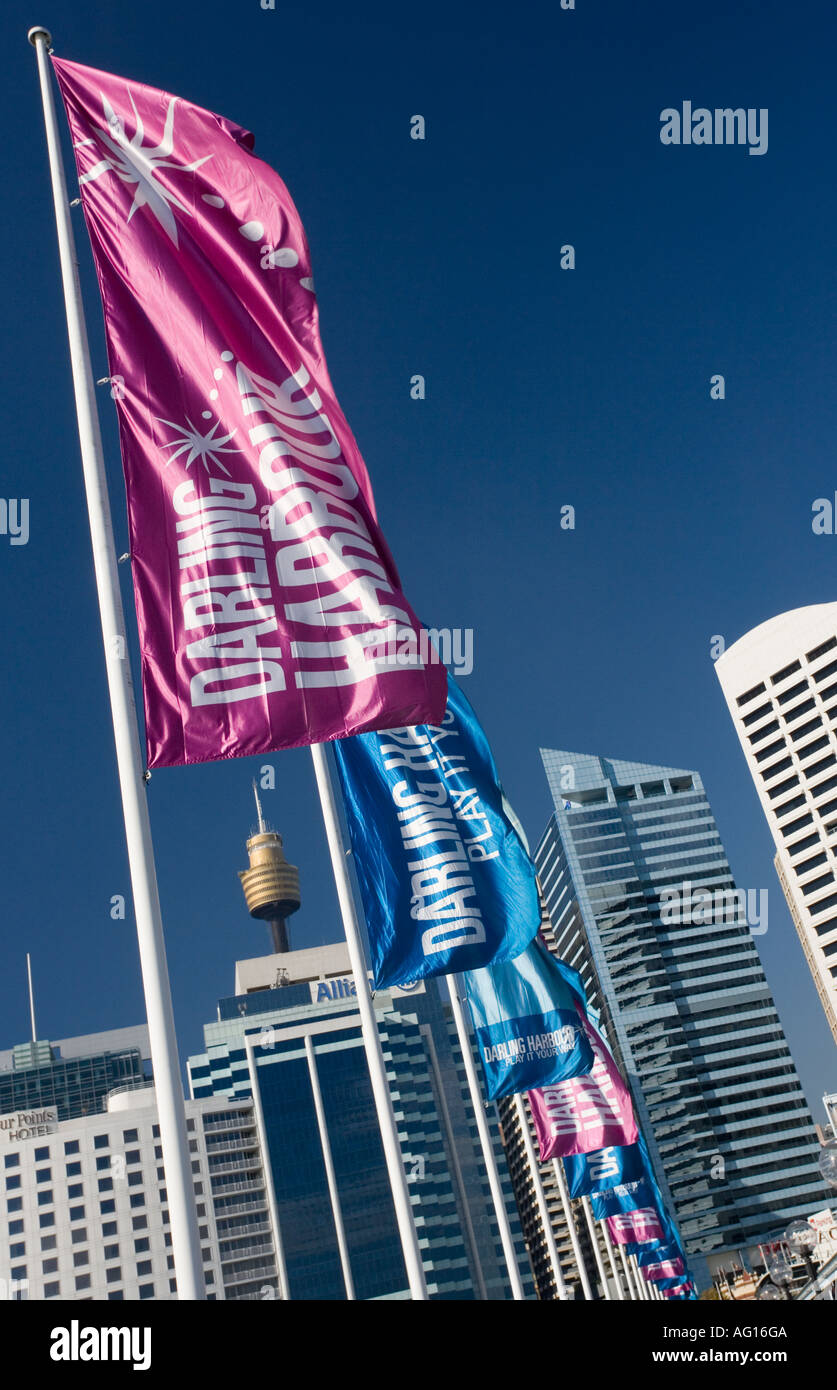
x=271, y=884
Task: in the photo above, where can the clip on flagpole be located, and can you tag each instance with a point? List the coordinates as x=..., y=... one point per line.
x=488, y=1155
x=369, y=1027
x=171, y=1110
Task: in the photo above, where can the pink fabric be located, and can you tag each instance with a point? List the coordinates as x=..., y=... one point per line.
x=586, y=1113
x=639, y=1226
x=667, y=1269
x=270, y=610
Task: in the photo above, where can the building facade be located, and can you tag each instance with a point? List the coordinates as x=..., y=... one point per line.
x=642, y=902
x=84, y=1207
x=290, y=1038
x=780, y=684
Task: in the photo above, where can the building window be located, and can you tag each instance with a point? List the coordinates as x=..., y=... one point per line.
x=103, y=1163
x=173, y=1285
x=132, y=1156
x=48, y=1242
x=45, y=1198
x=15, y=1204
x=130, y=1136
x=18, y=1250
x=198, y=1189
x=141, y=1245
x=190, y=1124
x=155, y=1130
x=15, y=1228
x=163, y=1195
x=196, y=1167
x=143, y=1268
x=146, y=1290
x=135, y=1179
x=11, y=1161
x=81, y=1257
x=79, y=1235
x=46, y=1218
x=49, y=1266
x=73, y=1170
x=107, y=1206
x=41, y=1154
x=158, y=1152
x=139, y=1223
x=76, y=1213
x=71, y=1146
x=13, y=1182
x=52, y=1290
x=161, y=1174
x=82, y=1281
x=105, y=1184
x=114, y=1276
x=108, y=1228
x=193, y=1146
x=138, y=1199
x=116, y=1295
x=75, y=1189
x=111, y=1252
x=101, y=1141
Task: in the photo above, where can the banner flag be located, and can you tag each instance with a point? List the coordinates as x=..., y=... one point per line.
x=527, y=1023
x=635, y=1226
x=588, y=1112
x=446, y=884
x=269, y=607
x=655, y=1253
x=629, y=1196
x=606, y=1168
x=666, y=1269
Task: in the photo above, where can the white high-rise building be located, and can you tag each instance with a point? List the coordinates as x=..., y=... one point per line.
x=780, y=683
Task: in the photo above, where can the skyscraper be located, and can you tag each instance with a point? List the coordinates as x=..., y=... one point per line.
x=643, y=904
x=290, y=1037
x=780, y=683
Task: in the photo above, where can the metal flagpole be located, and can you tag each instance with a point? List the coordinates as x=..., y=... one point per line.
x=164, y=1056
x=600, y=1264
x=642, y=1284
x=331, y=1176
x=561, y=1181
x=372, y=1042
x=628, y=1280
x=540, y=1197
x=489, y=1159
x=620, y=1293
x=31, y=996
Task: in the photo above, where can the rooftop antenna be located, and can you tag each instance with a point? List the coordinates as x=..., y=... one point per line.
x=262, y=826
x=31, y=996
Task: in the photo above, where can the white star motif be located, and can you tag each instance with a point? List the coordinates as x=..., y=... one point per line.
x=205, y=447
x=136, y=163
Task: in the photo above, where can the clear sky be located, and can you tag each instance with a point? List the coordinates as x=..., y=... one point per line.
x=545, y=387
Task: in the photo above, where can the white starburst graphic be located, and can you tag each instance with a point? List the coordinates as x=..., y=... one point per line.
x=139, y=164
x=205, y=447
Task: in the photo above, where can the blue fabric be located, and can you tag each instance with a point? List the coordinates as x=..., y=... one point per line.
x=631, y=1196
x=526, y=1018
x=445, y=881
x=603, y=1169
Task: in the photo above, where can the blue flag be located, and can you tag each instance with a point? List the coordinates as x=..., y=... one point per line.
x=526, y=1018
x=629, y=1196
x=446, y=884
x=603, y=1169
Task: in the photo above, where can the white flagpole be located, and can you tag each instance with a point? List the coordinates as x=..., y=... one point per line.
x=164, y=1056
x=597, y=1254
x=566, y=1203
x=628, y=1279
x=540, y=1197
x=371, y=1039
x=620, y=1294
x=489, y=1159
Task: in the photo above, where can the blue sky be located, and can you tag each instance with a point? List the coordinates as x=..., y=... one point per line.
x=544, y=388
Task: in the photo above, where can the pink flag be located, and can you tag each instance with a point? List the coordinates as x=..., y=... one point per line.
x=639, y=1226
x=270, y=610
x=666, y=1269
x=586, y=1113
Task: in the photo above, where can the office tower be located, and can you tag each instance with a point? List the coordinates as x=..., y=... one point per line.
x=642, y=902
x=85, y=1213
x=780, y=683
x=290, y=1038
x=73, y=1076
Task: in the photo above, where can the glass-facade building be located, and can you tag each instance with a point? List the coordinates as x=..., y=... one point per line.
x=643, y=903
x=283, y=1046
x=73, y=1076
